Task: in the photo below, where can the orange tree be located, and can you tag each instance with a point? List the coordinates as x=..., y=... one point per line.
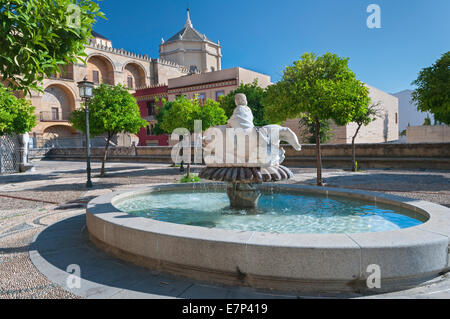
x=319, y=88
x=182, y=113
x=112, y=110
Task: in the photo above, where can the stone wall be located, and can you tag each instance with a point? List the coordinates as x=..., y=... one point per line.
x=95, y=152
x=428, y=134
x=414, y=156
x=163, y=70
x=419, y=150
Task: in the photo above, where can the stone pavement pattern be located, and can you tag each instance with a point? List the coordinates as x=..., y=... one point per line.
x=32, y=201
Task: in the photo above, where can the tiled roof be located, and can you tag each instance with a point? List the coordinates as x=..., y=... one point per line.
x=188, y=33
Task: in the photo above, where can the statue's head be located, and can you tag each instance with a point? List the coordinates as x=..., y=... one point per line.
x=240, y=99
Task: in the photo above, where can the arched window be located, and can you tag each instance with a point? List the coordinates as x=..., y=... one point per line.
x=100, y=70
x=134, y=76
x=57, y=104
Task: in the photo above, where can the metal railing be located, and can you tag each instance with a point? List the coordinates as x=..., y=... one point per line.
x=78, y=142
x=54, y=116
x=65, y=76
x=9, y=154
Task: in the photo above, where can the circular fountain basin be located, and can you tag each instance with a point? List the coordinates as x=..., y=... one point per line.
x=315, y=248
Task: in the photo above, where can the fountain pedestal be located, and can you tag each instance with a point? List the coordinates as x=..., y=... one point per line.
x=243, y=195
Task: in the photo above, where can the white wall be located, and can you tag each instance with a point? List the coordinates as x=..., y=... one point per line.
x=408, y=112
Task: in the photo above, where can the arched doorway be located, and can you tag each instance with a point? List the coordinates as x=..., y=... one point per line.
x=134, y=76
x=58, y=102
x=100, y=70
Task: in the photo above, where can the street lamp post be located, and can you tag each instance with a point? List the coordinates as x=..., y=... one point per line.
x=86, y=93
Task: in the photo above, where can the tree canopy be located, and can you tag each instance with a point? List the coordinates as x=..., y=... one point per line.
x=16, y=115
x=433, y=89
x=38, y=37
x=160, y=110
x=212, y=114
x=255, y=95
x=182, y=113
x=318, y=88
x=112, y=110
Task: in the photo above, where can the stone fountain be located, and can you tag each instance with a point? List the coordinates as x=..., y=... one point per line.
x=246, y=156
x=320, y=252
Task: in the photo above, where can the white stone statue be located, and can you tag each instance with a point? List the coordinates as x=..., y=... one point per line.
x=24, y=140
x=242, y=115
x=262, y=148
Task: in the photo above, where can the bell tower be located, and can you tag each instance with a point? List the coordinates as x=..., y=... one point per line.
x=192, y=49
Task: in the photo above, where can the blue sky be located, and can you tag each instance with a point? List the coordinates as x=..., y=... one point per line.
x=268, y=35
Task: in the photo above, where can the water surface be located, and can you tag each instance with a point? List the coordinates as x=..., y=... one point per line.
x=276, y=213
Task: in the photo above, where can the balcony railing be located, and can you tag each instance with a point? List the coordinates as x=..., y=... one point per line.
x=68, y=76
x=54, y=116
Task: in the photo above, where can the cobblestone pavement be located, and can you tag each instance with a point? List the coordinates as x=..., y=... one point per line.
x=31, y=201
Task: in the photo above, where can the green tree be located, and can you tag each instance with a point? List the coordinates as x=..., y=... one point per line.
x=112, y=110
x=362, y=117
x=255, y=95
x=160, y=110
x=433, y=89
x=16, y=115
x=320, y=88
x=182, y=113
x=212, y=114
x=38, y=37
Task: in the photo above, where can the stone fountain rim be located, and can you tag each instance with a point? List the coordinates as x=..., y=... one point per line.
x=433, y=213
x=407, y=249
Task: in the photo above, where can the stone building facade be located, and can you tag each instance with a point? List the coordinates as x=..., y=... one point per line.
x=104, y=64
x=212, y=85
x=149, y=100
x=383, y=129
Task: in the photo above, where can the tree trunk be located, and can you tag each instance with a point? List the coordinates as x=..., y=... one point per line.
x=354, y=168
x=353, y=155
x=188, y=170
x=105, y=156
x=318, y=154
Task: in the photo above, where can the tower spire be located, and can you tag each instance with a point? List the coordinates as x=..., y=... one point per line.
x=188, y=20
